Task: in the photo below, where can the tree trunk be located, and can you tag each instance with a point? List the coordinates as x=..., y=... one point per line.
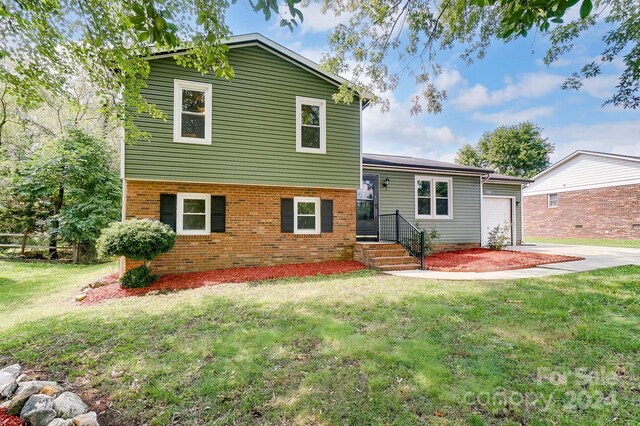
x=76, y=252
x=53, y=240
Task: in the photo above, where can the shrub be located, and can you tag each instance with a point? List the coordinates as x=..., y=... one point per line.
x=498, y=237
x=429, y=239
x=136, y=239
x=138, y=277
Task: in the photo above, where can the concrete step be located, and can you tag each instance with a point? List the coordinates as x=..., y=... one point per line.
x=386, y=268
x=393, y=260
x=386, y=252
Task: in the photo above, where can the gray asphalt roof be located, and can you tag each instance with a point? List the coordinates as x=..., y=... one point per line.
x=418, y=163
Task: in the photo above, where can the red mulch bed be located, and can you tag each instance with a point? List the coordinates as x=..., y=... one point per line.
x=221, y=276
x=8, y=420
x=484, y=260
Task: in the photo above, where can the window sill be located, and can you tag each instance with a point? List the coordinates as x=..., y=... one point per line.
x=434, y=217
x=193, y=141
x=311, y=150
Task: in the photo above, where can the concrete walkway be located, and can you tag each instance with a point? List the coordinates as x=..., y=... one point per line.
x=595, y=258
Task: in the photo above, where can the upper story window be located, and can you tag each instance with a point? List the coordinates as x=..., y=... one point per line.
x=191, y=112
x=306, y=215
x=433, y=198
x=311, y=132
x=552, y=200
x=194, y=211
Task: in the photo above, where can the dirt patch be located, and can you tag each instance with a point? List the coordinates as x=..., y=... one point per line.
x=9, y=420
x=189, y=280
x=484, y=260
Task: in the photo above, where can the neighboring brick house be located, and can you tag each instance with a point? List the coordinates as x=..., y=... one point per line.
x=267, y=169
x=585, y=195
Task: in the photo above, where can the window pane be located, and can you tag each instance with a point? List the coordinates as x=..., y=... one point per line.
x=310, y=137
x=366, y=190
x=311, y=115
x=306, y=208
x=442, y=189
x=306, y=222
x=192, y=222
x=194, y=206
x=193, y=100
x=442, y=206
x=192, y=126
x=424, y=188
x=424, y=206
x=364, y=210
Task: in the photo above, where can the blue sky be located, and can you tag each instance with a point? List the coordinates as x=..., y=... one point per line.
x=510, y=85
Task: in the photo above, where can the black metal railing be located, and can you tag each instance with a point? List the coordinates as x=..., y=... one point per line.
x=394, y=227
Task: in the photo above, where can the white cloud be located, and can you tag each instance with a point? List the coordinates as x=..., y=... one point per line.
x=532, y=85
x=396, y=132
x=315, y=21
x=449, y=79
x=601, y=87
x=617, y=137
x=509, y=117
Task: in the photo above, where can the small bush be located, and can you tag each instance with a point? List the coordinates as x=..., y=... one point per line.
x=138, y=277
x=136, y=239
x=498, y=237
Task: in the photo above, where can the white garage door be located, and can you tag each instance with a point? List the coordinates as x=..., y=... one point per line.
x=496, y=211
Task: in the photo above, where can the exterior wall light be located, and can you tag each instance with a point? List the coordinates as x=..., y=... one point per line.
x=386, y=182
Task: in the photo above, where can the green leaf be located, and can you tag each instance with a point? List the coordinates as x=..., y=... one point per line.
x=201, y=18
x=586, y=8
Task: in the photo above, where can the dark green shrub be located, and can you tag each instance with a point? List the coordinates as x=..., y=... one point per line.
x=136, y=239
x=138, y=277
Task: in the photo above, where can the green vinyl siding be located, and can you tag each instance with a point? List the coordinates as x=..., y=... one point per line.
x=464, y=227
x=508, y=190
x=253, y=133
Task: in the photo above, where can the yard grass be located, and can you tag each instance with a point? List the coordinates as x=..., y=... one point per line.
x=585, y=242
x=356, y=349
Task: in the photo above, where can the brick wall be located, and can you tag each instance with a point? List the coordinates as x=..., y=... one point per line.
x=612, y=212
x=252, y=236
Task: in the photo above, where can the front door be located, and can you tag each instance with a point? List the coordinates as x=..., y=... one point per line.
x=367, y=207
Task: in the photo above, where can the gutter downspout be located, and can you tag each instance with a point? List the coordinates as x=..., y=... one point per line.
x=483, y=179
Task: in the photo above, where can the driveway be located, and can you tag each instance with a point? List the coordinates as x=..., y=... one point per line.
x=594, y=258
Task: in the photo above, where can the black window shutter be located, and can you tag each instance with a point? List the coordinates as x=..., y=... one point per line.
x=286, y=214
x=218, y=213
x=326, y=216
x=168, y=208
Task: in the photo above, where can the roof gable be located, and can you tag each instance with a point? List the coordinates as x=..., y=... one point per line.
x=256, y=39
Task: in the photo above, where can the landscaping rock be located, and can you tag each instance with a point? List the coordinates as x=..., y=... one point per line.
x=40, y=384
x=61, y=422
x=88, y=419
x=49, y=390
x=69, y=405
x=22, y=378
x=99, y=283
x=8, y=384
x=12, y=369
x=38, y=410
x=15, y=404
x=81, y=297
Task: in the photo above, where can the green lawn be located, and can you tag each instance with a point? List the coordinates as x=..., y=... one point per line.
x=357, y=349
x=585, y=242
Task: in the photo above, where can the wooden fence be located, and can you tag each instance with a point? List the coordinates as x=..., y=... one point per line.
x=20, y=245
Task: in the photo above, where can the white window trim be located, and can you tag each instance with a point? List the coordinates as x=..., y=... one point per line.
x=180, y=212
x=433, y=180
x=296, y=201
x=549, y=201
x=323, y=124
x=178, y=87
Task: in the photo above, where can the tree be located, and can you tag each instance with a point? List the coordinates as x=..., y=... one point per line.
x=386, y=40
x=74, y=175
x=45, y=43
x=518, y=150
